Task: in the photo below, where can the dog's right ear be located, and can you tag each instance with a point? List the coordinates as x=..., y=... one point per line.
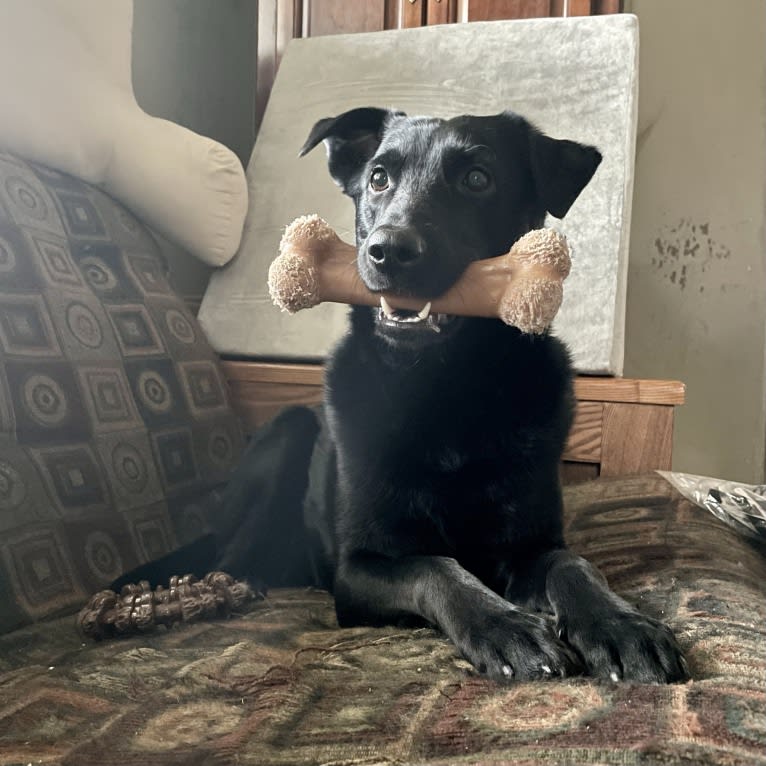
x=351, y=139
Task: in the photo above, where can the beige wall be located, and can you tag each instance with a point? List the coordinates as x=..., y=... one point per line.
x=697, y=279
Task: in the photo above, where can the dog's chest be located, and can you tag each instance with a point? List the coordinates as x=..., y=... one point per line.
x=437, y=424
x=458, y=426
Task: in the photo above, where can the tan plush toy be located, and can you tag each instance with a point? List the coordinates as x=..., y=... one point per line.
x=522, y=287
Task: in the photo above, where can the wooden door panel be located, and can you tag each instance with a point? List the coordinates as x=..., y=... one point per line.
x=411, y=13
x=605, y=6
x=330, y=17
x=577, y=8
x=404, y=14
x=496, y=10
x=441, y=11
x=281, y=20
x=278, y=22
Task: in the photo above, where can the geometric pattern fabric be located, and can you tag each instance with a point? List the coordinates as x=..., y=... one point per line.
x=115, y=428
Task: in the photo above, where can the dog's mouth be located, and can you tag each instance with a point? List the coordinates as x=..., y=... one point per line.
x=404, y=319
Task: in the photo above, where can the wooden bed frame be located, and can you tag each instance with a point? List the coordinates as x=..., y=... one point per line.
x=622, y=425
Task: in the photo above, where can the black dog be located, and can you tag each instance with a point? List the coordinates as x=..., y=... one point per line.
x=448, y=432
x=429, y=488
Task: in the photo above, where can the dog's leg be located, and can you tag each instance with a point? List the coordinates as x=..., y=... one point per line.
x=614, y=639
x=259, y=530
x=496, y=637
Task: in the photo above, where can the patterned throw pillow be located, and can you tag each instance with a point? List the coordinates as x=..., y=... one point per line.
x=115, y=427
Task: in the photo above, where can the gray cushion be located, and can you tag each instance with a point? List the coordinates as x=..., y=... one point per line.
x=576, y=78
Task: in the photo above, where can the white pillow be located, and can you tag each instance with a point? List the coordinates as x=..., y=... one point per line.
x=66, y=101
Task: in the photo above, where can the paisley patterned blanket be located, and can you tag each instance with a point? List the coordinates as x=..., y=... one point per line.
x=283, y=684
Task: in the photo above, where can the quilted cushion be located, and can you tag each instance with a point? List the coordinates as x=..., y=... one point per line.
x=114, y=420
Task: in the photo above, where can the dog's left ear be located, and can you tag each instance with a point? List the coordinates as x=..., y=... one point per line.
x=561, y=170
x=351, y=139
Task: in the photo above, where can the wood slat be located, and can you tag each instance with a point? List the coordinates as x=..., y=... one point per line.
x=273, y=372
x=622, y=426
x=331, y=17
x=630, y=390
x=496, y=10
x=579, y=8
x=584, y=444
x=441, y=12
x=585, y=7
x=267, y=57
x=259, y=390
x=413, y=14
x=392, y=14
x=256, y=403
x=279, y=21
x=607, y=6
x=636, y=438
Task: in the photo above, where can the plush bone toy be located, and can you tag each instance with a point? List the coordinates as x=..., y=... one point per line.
x=522, y=287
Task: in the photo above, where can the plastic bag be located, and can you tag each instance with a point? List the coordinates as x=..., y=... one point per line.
x=742, y=506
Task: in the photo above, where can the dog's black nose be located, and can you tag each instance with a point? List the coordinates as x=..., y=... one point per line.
x=392, y=247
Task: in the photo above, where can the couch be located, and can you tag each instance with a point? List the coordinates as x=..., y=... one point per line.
x=117, y=436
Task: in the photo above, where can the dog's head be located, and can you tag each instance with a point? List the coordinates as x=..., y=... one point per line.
x=433, y=195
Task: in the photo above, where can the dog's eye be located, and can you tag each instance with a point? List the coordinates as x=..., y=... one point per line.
x=379, y=180
x=476, y=180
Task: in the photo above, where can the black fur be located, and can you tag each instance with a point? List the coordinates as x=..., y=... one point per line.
x=448, y=443
x=433, y=489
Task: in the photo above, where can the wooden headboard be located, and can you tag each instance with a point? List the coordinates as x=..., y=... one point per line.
x=622, y=425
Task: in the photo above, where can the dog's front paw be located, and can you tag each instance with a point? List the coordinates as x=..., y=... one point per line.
x=625, y=645
x=511, y=645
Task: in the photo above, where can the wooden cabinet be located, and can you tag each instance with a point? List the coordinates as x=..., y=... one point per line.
x=622, y=426
x=281, y=20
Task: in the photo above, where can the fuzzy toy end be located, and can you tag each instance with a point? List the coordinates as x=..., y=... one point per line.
x=293, y=283
x=546, y=247
x=533, y=306
x=307, y=229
